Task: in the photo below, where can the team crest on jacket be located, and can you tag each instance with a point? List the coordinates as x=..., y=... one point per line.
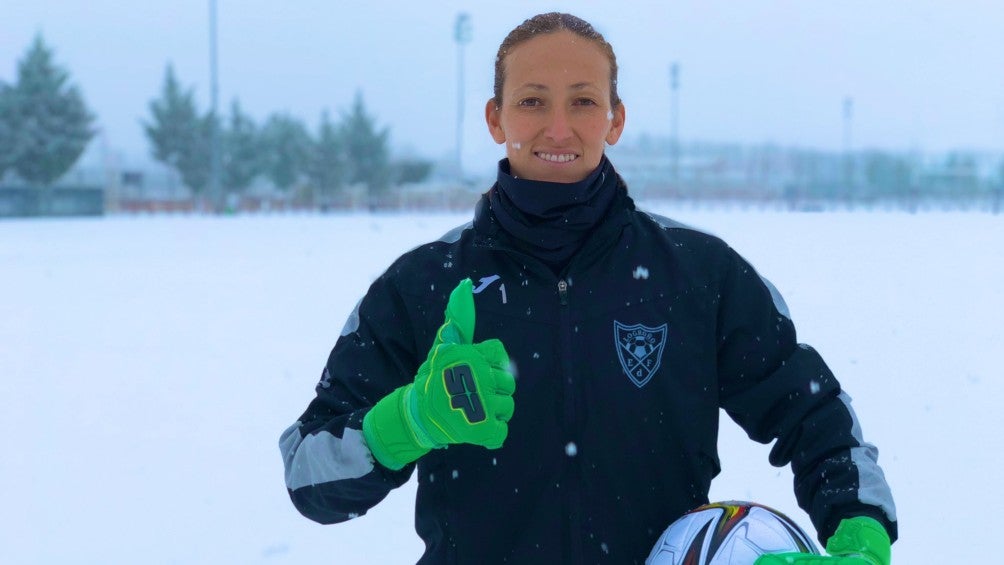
x=639, y=349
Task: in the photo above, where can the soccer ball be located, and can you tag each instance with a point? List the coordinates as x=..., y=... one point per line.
x=728, y=533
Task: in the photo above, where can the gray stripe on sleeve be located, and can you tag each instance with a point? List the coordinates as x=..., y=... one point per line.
x=873, y=489
x=352, y=324
x=322, y=457
x=671, y=224
x=779, y=303
x=452, y=236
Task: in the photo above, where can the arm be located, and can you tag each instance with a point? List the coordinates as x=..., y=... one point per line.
x=346, y=453
x=330, y=472
x=779, y=390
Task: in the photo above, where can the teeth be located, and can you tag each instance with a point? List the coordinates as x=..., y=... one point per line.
x=563, y=158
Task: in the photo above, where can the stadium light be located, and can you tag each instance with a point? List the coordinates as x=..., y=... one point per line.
x=215, y=187
x=674, y=116
x=462, y=35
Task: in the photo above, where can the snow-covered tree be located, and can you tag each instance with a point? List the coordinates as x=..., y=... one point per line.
x=407, y=171
x=179, y=136
x=174, y=117
x=7, y=117
x=366, y=148
x=52, y=124
x=241, y=156
x=195, y=164
x=286, y=146
x=328, y=164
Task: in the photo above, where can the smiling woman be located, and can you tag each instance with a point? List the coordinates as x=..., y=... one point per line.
x=555, y=104
x=630, y=333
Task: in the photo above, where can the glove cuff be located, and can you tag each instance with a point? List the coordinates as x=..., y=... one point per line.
x=388, y=433
x=861, y=536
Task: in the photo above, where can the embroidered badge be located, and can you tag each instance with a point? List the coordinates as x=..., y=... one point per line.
x=639, y=349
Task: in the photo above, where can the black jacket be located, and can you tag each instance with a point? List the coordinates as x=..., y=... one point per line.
x=622, y=361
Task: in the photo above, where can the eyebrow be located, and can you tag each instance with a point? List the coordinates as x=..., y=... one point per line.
x=576, y=86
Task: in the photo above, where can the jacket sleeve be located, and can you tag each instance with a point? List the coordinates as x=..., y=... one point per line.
x=331, y=475
x=779, y=390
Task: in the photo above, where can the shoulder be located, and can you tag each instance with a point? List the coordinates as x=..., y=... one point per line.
x=714, y=251
x=682, y=238
x=446, y=245
x=426, y=267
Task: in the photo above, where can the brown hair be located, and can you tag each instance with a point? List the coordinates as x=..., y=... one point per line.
x=549, y=23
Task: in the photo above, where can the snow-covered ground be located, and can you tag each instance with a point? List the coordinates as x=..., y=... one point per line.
x=148, y=366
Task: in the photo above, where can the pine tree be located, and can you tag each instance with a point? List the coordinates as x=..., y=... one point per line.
x=366, y=148
x=179, y=136
x=7, y=138
x=328, y=164
x=286, y=145
x=241, y=150
x=174, y=120
x=411, y=171
x=195, y=161
x=998, y=199
x=53, y=125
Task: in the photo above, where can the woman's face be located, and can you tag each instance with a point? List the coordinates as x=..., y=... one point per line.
x=555, y=115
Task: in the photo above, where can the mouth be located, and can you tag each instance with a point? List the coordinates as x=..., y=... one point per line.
x=556, y=157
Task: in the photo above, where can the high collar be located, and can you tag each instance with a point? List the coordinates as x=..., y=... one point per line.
x=550, y=220
x=544, y=200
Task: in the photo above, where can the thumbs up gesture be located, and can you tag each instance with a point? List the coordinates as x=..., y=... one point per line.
x=462, y=393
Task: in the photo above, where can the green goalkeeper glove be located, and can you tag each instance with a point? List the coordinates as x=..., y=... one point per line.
x=857, y=541
x=462, y=394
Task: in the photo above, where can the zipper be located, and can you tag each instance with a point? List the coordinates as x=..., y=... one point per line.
x=571, y=478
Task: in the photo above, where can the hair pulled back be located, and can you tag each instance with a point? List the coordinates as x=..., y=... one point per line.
x=552, y=22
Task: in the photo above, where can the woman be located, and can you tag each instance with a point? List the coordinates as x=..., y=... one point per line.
x=627, y=332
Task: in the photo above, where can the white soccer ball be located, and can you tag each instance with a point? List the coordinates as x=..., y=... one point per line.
x=728, y=533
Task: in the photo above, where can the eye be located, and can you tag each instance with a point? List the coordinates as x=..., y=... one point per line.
x=585, y=102
x=530, y=102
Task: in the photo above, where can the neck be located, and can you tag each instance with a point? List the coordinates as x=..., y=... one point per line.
x=549, y=219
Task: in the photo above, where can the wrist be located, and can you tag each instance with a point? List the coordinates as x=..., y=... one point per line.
x=388, y=431
x=861, y=536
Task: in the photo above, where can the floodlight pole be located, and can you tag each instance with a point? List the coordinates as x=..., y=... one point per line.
x=215, y=188
x=462, y=35
x=674, y=118
x=848, y=160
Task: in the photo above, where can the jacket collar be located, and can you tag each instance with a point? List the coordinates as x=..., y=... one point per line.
x=490, y=234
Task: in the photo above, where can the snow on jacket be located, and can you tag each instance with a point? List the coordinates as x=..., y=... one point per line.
x=623, y=362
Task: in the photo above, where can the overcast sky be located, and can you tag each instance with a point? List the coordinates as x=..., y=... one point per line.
x=923, y=74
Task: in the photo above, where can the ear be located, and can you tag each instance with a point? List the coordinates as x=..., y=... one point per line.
x=494, y=123
x=616, y=124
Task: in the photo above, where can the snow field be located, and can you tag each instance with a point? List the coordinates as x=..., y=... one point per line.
x=148, y=366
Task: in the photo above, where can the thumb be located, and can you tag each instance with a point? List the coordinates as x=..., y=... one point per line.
x=459, y=324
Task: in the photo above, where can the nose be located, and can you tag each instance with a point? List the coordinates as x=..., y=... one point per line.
x=559, y=127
